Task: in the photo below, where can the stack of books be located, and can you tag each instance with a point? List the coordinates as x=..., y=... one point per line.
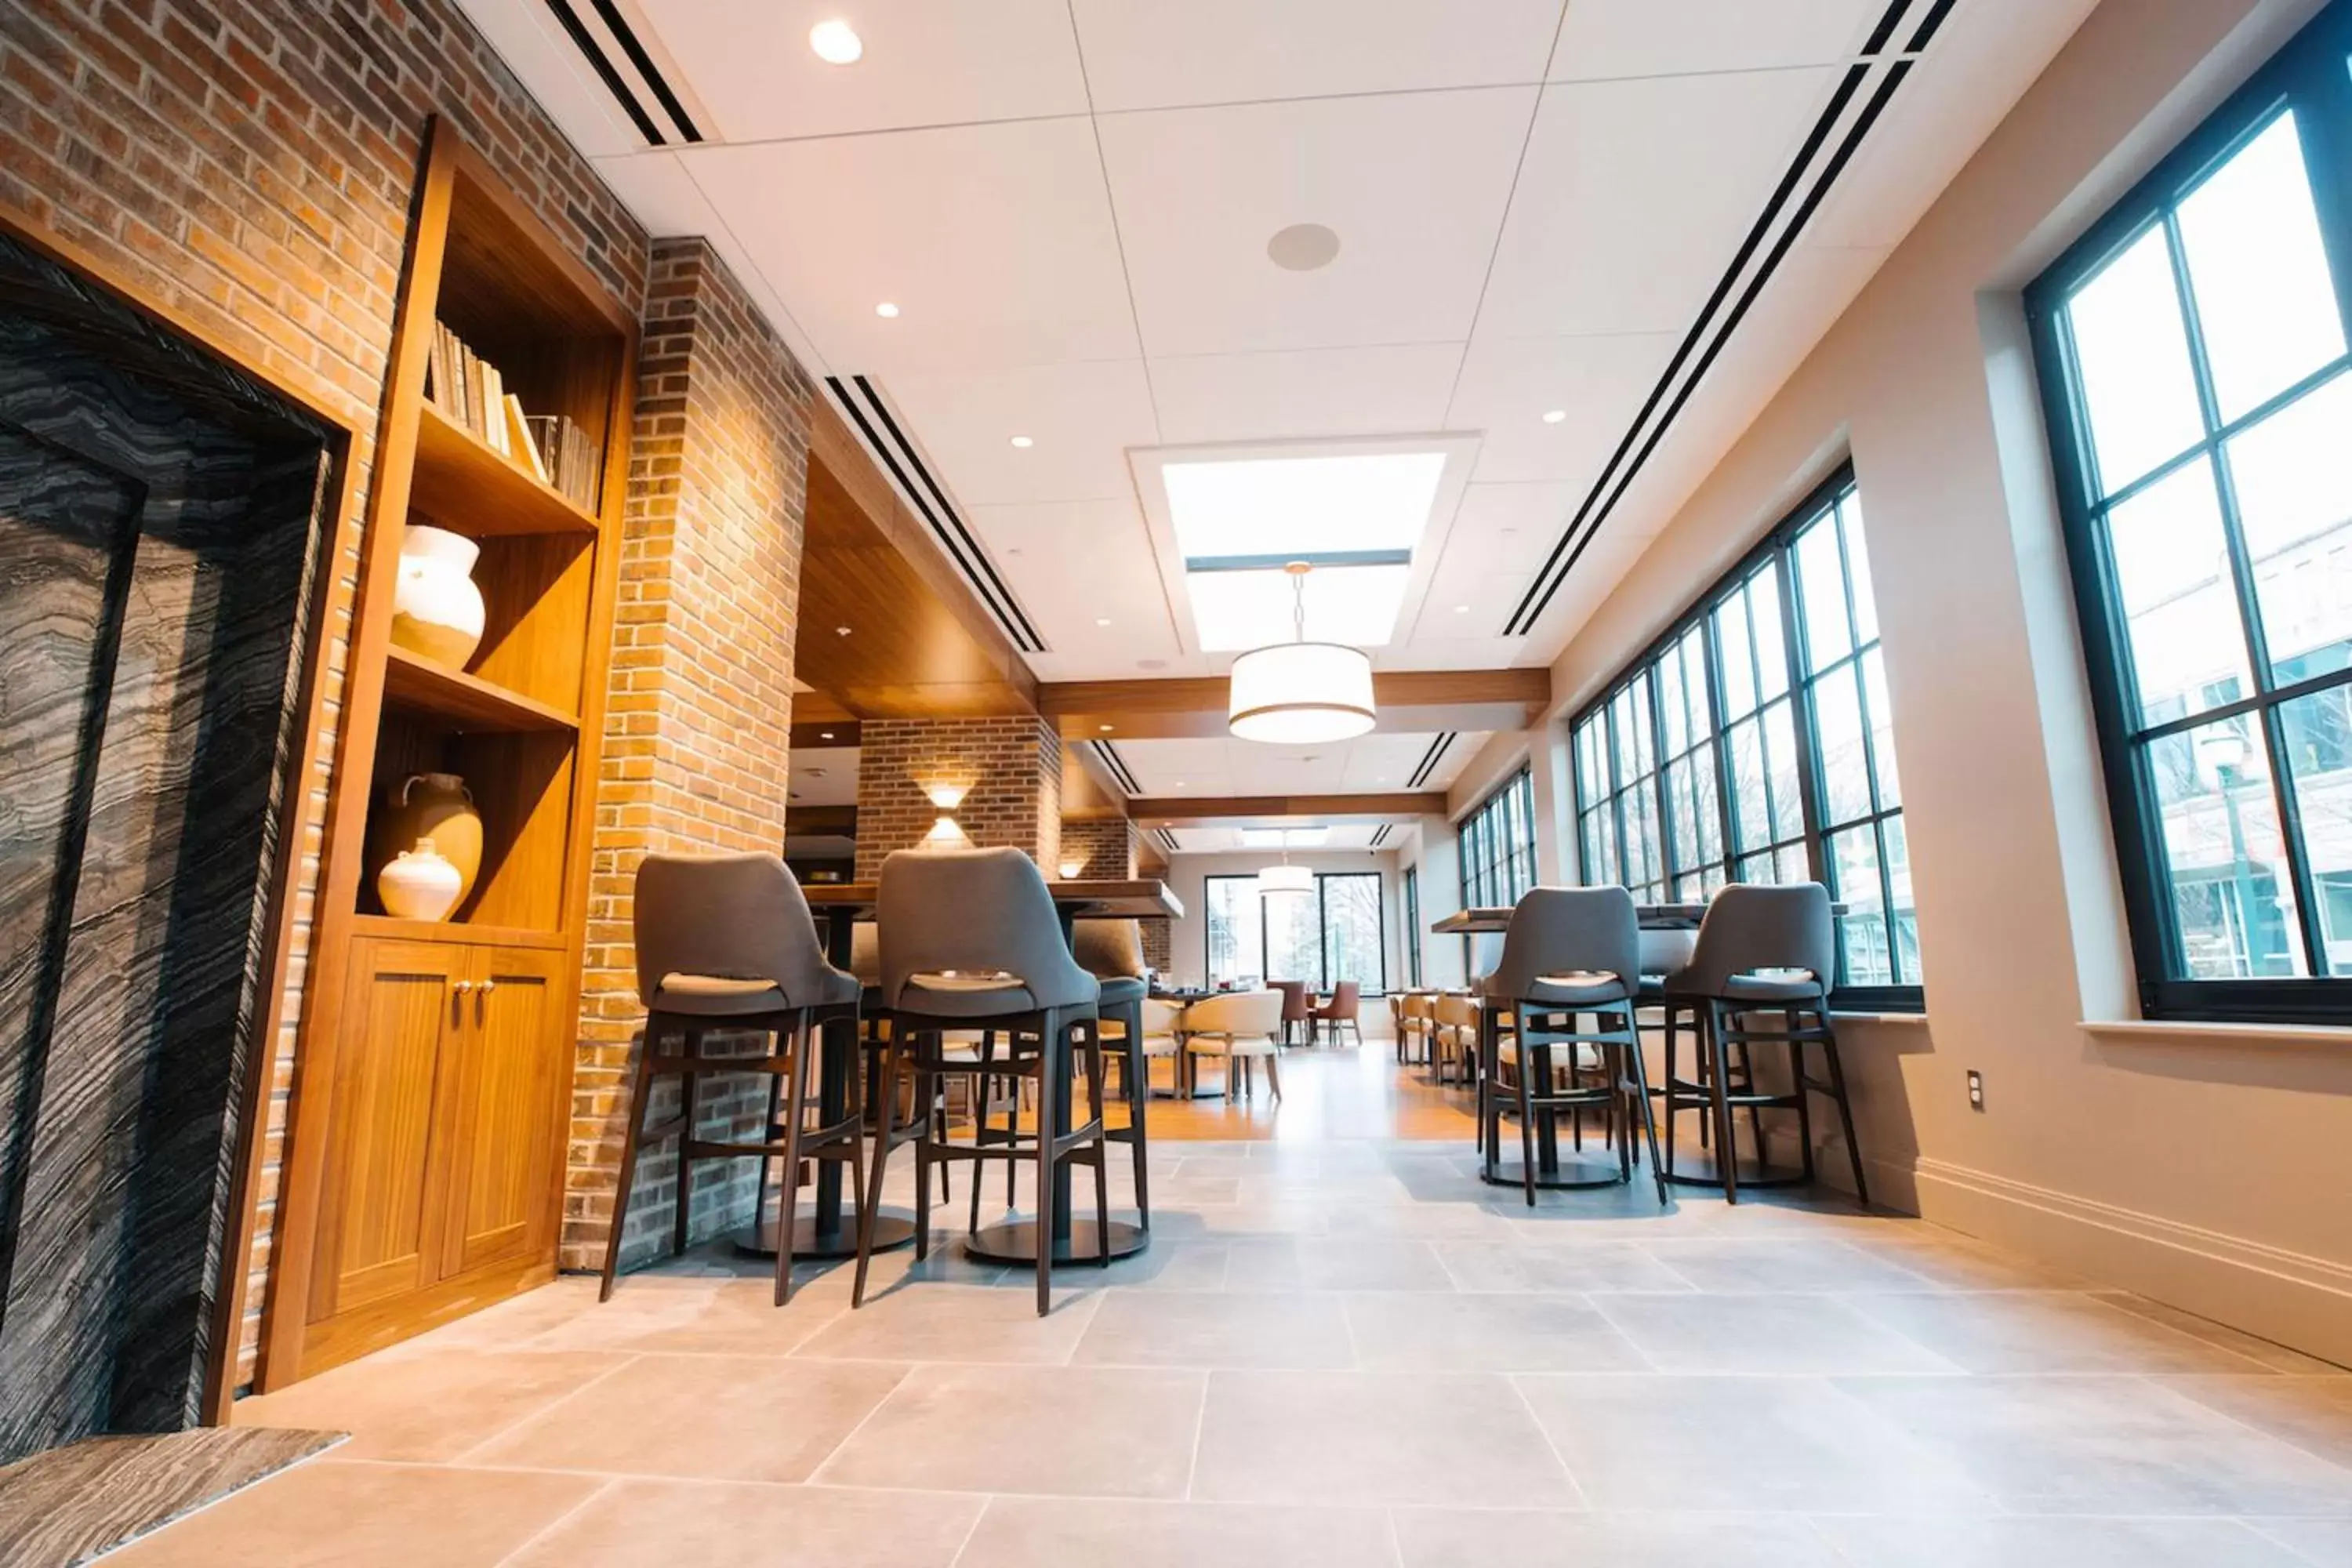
x=469, y=389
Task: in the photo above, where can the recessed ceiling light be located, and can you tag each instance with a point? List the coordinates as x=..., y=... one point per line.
x=887, y=310
x=836, y=43
x=1102, y=620
x=1104, y=727
x=1461, y=609
x=825, y=734
x=1023, y=442
x=1555, y=416
x=841, y=631
x=1302, y=247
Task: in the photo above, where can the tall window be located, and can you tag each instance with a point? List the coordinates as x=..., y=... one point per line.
x=2193, y=350
x=1236, y=929
x=1412, y=926
x=1498, y=845
x=1752, y=743
x=1338, y=932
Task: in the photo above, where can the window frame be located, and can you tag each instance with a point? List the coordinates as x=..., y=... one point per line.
x=1321, y=979
x=2311, y=77
x=1411, y=897
x=1496, y=843
x=1776, y=552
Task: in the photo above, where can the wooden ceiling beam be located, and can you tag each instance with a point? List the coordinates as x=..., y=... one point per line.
x=822, y=734
x=1411, y=702
x=1276, y=810
x=919, y=643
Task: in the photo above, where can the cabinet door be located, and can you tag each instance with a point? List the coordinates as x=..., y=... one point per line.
x=380, y=1229
x=505, y=1084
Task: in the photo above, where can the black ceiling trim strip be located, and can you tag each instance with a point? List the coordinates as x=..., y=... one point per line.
x=1118, y=766
x=1014, y=625
x=973, y=558
x=1430, y=758
x=1590, y=514
x=1928, y=28
x=1382, y=836
x=585, y=42
x=1788, y=239
x=630, y=46
x=1167, y=839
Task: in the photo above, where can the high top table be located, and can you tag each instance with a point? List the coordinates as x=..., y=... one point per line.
x=827, y=1233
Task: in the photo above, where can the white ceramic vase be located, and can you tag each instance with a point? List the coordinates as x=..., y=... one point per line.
x=419, y=884
x=437, y=611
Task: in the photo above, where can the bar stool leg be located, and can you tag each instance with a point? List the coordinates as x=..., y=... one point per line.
x=1640, y=1074
x=1844, y=1105
x=886, y=1113
x=1102, y=1141
x=1053, y=1060
x=1727, y=1153
x=629, y=1155
x=788, y=1198
x=1672, y=1037
x=1526, y=1103
x=683, y=1217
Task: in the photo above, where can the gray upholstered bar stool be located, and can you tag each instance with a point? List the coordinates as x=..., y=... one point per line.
x=727, y=944
x=1112, y=952
x=970, y=942
x=1761, y=949
x=1570, y=953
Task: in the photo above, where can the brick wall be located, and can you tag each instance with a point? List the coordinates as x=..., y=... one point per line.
x=250, y=163
x=1009, y=769
x=1098, y=846
x=698, y=732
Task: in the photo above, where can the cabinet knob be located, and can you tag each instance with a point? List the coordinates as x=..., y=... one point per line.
x=465, y=987
x=489, y=987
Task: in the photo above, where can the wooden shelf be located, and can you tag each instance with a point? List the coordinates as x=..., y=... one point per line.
x=458, y=932
x=464, y=485
x=467, y=701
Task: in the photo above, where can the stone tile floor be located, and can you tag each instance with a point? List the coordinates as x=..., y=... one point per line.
x=1335, y=1353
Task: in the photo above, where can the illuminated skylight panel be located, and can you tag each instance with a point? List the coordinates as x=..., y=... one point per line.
x=1234, y=611
x=1302, y=507
x=1284, y=837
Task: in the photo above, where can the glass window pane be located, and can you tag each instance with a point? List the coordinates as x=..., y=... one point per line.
x=2224, y=861
x=2132, y=352
x=1694, y=652
x=1293, y=938
x=1881, y=729
x=2172, y=566
x=2294, y=477
x=1790, y=863
x=1682, y=819
x=1591, y=760
x=1863, y=951
x=1595, y=869
x=1820, y=580
x=1857, y=571
x=1643, y=756
x=1611, y=873
x=2264, y=299
x=1704, y=805
x=1897, y=848
x=1673, y=711
x=1771, y=640
x=2318, y=732
x=1733, y=653
x=1780, y=749
x=1759, y=868
x=1751, y=816
x=1845, y=772
x=1236, y=951
x=1351, y=929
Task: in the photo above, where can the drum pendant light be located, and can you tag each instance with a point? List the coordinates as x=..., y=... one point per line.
x=1300, y=693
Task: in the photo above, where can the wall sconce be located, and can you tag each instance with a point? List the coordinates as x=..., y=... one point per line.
x=947, y=796
x=944, y=834
x=1070, y=869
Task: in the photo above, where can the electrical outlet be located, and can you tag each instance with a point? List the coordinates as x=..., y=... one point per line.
x=1976, y=1089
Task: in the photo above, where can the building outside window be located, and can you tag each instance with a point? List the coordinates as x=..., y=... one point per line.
x=1753, y=744
x=2193, y=355
x=1412, y=926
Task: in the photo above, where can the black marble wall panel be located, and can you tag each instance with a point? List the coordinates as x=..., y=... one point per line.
x=138, y=843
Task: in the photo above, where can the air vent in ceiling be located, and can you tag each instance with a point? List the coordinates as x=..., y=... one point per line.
x=1430, y=758
x=887, y=439
x=1116, y=765
x=1382, y=836
x=609, y=43
x=1826, y=151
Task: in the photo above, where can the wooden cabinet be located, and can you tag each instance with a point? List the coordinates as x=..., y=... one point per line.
x=425, y=1155
x=446, y=1122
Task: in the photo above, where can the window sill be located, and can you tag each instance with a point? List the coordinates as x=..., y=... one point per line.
x=2180, y=1032
x=1916, y=1020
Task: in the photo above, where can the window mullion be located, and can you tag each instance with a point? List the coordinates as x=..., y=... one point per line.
x=1801, y=716
x=1721, y=730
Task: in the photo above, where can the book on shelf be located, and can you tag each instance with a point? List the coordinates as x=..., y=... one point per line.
x=517, y=433
x=570, y=458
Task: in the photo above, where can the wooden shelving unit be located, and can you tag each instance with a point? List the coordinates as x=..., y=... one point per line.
x=426, y=1159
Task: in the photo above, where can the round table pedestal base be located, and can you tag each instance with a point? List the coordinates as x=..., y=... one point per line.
x=893, y=1228
x=1573, y=1174
x=1015, y=1241
x=1699, y=1170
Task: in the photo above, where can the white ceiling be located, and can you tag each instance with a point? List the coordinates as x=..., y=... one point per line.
x=1371, y=763
x=1070, y=200
x=1228, y=840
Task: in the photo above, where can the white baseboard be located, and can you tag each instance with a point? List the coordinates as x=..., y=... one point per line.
x=2294, y=1299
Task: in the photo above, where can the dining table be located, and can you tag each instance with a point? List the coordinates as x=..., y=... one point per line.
x=828, y=1230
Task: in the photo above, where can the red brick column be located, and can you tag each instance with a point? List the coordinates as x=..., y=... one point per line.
x=699, y=725
x=1005, y=775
